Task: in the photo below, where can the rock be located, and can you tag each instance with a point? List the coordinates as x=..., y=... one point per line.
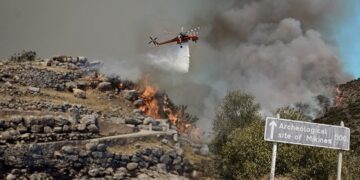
x=81, y=127
x=177, y=160
x=88, y=119
x=75, y=115
x=21, y=128
x=166, y=159
x=92, y=128
x=8, y=84
x=176, y=137
x=47, y=129
x=121, y=170
x=109, y=171
x=36, y=176
x=48, y=120
x=161, y=168
x=36, y=128
x=105, y=86
x=91, y=146
x=137, y=146
x=47, y=62
x=66, y=128
x=137, y=111
x=101, y=147
x=204, y=150
x=125, y=158
x=81, y=85
x=164, y=141
x=139, y=102
x=143, y=176
x=69, y=150
x=94, y=172
x=97, y=154
x=10, y=177
x=79, y=93
x=149, y=120
x=117, y=120
x=119, y=176
x=60, y=121
x=57, y=129
x=130, y=94
x=16, y=119
x=135, y=159
x=30, y=120
x=133, y=121
x=33, y=89
x=70, y=86
x=132, y=166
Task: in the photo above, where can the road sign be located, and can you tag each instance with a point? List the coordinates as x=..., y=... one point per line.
x=306, y=133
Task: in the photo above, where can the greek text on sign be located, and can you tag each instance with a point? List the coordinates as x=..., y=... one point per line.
x=306, y=133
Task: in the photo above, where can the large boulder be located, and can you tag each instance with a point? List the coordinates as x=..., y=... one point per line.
x=79, y=93
x=104, y=86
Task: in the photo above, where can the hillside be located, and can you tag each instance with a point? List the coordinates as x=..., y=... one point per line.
x=61, y=118
x=347, y=109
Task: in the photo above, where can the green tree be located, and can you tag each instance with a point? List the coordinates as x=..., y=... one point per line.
x=236, y=110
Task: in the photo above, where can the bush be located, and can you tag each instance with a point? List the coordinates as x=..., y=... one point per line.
x=236, y=111
x=24, y=56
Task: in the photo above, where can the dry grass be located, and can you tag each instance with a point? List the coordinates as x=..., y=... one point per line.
x=130, y=148
x=194, y=158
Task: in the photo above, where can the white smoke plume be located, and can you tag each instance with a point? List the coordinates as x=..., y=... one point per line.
x=171, y=58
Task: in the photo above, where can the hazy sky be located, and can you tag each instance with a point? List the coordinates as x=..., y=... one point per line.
x=106, y=29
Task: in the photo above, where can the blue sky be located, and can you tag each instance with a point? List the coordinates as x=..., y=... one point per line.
x=348, y=39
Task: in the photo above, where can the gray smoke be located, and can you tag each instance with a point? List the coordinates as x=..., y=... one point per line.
x=273, y=49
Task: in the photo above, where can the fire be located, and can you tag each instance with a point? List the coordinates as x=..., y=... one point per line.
x=158, y=106
x=151, y=105
x=339, y=99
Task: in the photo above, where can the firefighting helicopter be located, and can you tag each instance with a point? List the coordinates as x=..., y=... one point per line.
x=182, y=37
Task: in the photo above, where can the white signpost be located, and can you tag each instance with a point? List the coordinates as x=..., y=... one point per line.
x=306, y=133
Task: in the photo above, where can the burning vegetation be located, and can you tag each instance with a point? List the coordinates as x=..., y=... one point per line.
x=158, y=105
x=151, y=101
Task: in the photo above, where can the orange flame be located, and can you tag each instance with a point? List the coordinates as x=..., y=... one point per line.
x=159, y=109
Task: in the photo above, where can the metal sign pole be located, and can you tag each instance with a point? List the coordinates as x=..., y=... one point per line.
x=338, y=175
x=273, y=157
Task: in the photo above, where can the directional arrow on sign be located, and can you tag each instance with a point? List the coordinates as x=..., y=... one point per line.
x=273, y=125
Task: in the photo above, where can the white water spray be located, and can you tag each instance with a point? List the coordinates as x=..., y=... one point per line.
x=171, y=58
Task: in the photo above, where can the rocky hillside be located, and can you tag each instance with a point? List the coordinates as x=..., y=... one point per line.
x=61, y=119
x=347, y=109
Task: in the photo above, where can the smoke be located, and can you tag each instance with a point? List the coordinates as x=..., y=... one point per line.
x=280, y=51
x=171, y=58
x=277, y=50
